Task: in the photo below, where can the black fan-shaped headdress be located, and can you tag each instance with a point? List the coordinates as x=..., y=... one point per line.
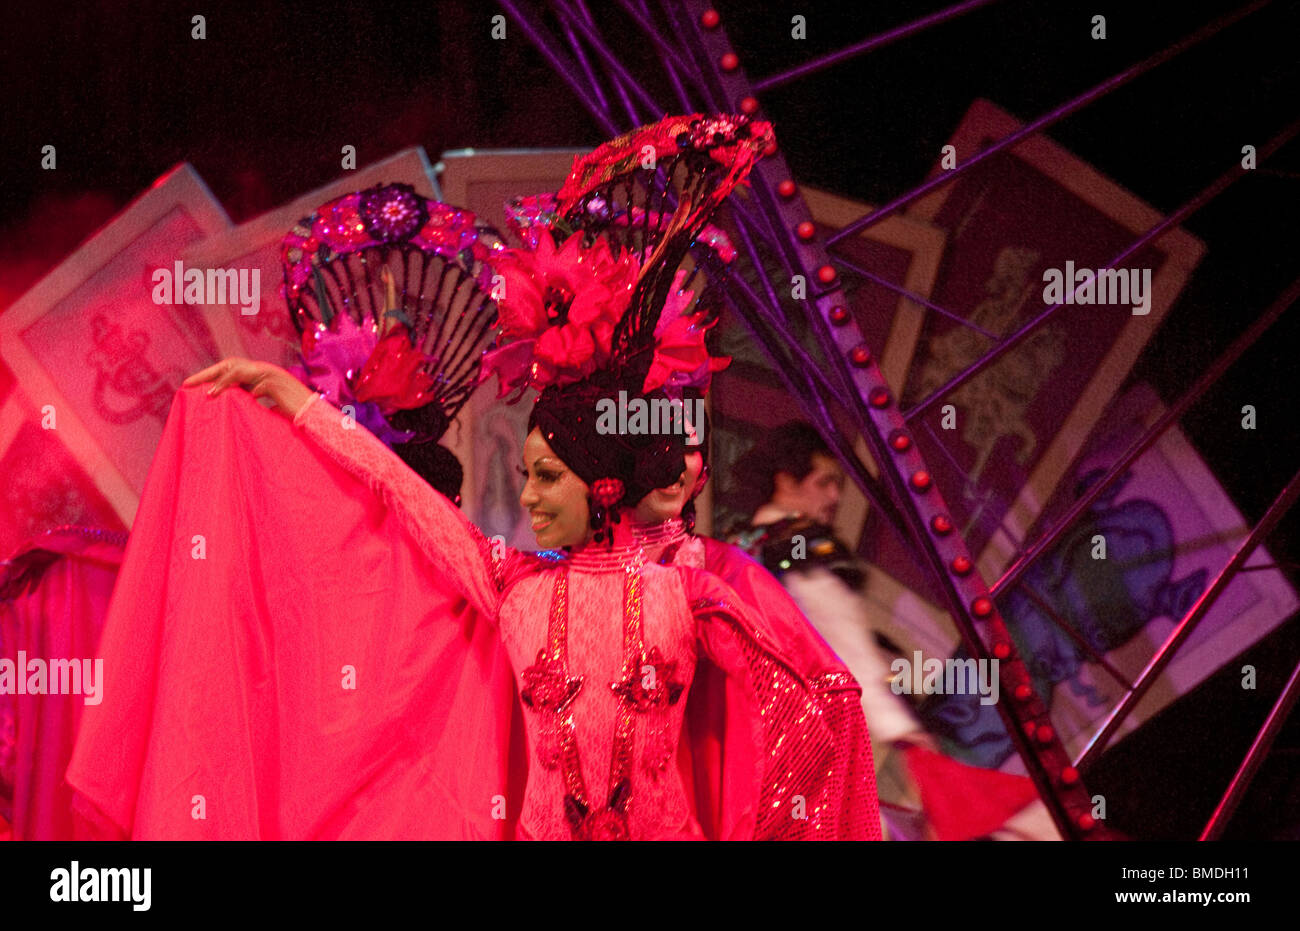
x=649, y=193
x=391, y=293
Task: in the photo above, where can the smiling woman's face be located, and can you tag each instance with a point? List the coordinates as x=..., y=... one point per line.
x=554, y=497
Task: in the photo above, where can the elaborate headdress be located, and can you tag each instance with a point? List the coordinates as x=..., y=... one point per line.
x=390, y=292
x=594, y=311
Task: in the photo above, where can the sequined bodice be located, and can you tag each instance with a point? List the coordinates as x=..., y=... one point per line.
x=657, y=806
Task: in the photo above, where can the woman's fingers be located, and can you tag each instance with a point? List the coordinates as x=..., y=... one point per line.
x=260, y=378
x=233, y=372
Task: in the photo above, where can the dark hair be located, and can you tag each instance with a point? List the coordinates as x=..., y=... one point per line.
x=788, y=448
x=429, y=459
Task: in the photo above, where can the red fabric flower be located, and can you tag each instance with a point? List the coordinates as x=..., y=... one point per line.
x=393, y=377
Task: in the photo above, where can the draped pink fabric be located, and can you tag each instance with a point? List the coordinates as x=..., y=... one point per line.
x=281, y=662
x=286, y=656
x=54, y=594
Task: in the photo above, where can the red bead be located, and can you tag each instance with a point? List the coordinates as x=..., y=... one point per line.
x=921, y=480
x=1069, y=775
x=806, y=230
x=1001, y=650
x=860, y=355
x=961, y=565
x=901, y=442
x=941, y=525
x=1023, y=692
x=729, y=61
x=1030, y=728
x=709, y=19
x=786, y=188
x=311, y=245
x=749, y=106
x=839, y=315
x=982, y=606
x=1087, y=821
x=825, y=274
x=879, y=397
x=1045, y=734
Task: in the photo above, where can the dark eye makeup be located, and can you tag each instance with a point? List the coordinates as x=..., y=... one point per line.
x=543, y=475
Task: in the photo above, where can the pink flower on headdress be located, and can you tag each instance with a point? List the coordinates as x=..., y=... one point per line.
x=559, y=307
x=681, y=358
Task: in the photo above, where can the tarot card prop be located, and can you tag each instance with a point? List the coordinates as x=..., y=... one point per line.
x=1019, y=224
x=1169, y=528
x=97, y=359
x=488, y=436
x=749, y=397
x=253, y=249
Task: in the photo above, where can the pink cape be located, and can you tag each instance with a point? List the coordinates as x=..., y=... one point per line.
x=54, y=593
x=282, y=661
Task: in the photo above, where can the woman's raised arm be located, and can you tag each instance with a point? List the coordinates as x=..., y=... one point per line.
x=469, y=561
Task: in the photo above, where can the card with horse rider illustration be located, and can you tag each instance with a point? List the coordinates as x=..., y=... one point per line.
x=1029, y=228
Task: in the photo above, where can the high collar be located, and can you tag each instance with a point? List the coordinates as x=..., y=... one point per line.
x=659, y=534
x=596, y=557
x=647, y=540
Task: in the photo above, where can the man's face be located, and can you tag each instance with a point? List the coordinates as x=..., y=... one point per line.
x=818, y=494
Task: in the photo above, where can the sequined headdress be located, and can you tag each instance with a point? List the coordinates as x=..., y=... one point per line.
x=390, y=293
x=594, y=308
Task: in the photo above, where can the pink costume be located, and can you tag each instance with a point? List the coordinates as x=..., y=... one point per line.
x=223, y=715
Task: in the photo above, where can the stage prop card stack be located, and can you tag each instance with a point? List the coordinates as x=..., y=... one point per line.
x=95, y=361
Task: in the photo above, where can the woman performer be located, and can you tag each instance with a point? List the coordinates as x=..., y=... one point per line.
x=603, y=702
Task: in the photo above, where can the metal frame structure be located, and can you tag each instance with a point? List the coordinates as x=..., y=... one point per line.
x=774, y=224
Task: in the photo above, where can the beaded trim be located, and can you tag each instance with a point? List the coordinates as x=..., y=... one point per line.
x=102, y=534
x=599, y=559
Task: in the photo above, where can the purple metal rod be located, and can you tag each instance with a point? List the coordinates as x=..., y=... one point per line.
x=533, y=28
x=1203, y=384
x=984, y=497
x=1068, y=629
x=844, y=386
x=756, y=261
x=1215, y=188
x=1254, y=757
x=1165, y=654
x=762, y=328
x=578, y=53
x=618, y=75
x=912, y=296
x=867, y=45
x=819, y=416
x=673, y=62
x=761, y=223
x=1047, y=119
x=810, y=367
x=687, y=25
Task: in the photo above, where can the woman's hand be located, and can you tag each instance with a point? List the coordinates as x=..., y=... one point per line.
x=262, y=379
